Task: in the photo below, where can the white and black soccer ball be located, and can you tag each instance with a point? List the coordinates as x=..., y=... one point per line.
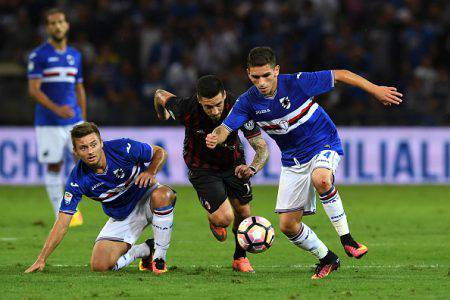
x=255, y=234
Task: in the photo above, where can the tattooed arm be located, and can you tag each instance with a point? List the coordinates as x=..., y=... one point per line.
x=259, y=160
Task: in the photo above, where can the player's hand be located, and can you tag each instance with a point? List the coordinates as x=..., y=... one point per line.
x=65, y=112
x=145, y=179
x=243, y=172
x=211, y=140
x=388, y=95
x=37, y=266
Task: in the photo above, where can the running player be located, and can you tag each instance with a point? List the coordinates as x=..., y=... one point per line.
x=284, y=106
x=55, y=82
x=220, y=176
x=121, y=174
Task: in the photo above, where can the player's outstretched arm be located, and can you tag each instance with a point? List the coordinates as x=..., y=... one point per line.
x=34, y=90
x=259, y=160
x=148, y=177
x=159, y=101
x=54, y=238
x=385, y=94
x=218, y=136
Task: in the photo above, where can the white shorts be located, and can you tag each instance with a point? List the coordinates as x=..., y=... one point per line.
x=130, y=229
x=296, y=190
x=51, y=142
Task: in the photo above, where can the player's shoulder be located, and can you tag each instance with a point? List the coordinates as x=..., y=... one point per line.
x=121, y=146
x=74, y=51
x=42, y=49
x=77, y=176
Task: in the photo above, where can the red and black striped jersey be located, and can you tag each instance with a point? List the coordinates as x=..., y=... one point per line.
x=190, y=113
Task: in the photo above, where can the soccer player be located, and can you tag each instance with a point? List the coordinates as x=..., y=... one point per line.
x=121, y=174
x=55, y=82
x=284, y=106
x=220, y=176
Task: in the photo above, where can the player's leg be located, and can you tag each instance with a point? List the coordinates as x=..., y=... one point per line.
x=50, y=147
x=323, y=179
x=163, y=200
x=240, y=193
x=213, y=197
x=295, y=193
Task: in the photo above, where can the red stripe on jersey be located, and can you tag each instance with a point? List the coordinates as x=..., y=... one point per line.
x=292, y=120
x=50, y=74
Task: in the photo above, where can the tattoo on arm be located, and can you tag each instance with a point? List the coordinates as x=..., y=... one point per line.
x=222, y=134
x=261, y=152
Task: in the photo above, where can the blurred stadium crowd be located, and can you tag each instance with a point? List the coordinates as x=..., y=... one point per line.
x=131, y=48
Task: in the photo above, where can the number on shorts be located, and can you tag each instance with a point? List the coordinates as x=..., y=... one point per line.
x=327, y=154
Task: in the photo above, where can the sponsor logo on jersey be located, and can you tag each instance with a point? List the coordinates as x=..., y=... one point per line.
x=97, y=185
x=67, y=198
x=285, y=102
x=30, y=66
x=262, y=111
x=53, y=59
x=120, y=173
x=250, y=125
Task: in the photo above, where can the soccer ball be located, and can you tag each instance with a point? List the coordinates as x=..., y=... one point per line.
x=255, y=234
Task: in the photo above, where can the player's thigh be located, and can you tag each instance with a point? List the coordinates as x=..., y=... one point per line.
x=106, y=253
x=210, y=189
x=296, y=191
x=50, y=144
x=239, y=191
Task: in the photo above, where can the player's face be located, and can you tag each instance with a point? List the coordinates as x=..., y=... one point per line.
x=89, y=149
x=57, y=26
x=213, y=107
x=264, y=78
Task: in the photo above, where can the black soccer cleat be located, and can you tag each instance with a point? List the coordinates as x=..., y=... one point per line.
x=326, y=265
x=145, y=264
x=159, y=266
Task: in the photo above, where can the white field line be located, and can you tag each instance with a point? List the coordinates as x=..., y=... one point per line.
x=8, y=239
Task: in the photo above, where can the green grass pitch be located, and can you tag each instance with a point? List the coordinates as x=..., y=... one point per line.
x=407, y=230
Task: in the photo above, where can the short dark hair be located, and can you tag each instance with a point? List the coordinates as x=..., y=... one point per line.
x=209, y=86
x=261, y=56
x=53, y=11
x=82, y=130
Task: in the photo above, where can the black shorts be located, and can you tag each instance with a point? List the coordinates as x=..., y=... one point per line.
x=214, y=187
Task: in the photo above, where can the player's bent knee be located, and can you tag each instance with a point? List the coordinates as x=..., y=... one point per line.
x=322, y=182
x=221, y=219
x=289, y=228
x=163, y=196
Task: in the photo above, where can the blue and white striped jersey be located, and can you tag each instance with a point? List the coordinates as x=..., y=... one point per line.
x=299, y=126
x=59, y=72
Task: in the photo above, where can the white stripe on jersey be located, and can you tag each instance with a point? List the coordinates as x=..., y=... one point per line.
x=69, y=79
x=283, y=122
x=63, y=70
x=121, y=188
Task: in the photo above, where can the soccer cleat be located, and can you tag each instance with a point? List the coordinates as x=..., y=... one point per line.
x=324, y=269
x=145, y=264
x=242, y=264
x=77, y=220
x=220, y=233
x=356, y=252
x=159, y=266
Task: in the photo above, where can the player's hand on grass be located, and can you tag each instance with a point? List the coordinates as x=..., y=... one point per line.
x=145, y=179
x=388, y=95
x=65, y=112
x=244, y=172
x=37, y=266
x=211, y=140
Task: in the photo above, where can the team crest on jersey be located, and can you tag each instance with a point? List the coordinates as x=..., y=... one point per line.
x=119, y=173
x=249, y=125
x=285, y=102
x=70, y=60
x=67, y=198
x=30, y=66
x=284, y=125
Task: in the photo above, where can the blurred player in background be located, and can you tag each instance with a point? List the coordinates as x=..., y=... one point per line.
x=284, y=106
x=121, y=174
x=220, y=176
x=55, y=82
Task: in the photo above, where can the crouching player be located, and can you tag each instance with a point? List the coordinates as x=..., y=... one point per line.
x=121, y=174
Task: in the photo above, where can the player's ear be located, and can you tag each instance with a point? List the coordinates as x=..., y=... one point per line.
x=248, y=74
x=276, y=70
x=224, y=94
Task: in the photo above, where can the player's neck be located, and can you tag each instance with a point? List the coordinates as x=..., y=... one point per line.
x=58, y=45
x=274, y=89
x=101, y=168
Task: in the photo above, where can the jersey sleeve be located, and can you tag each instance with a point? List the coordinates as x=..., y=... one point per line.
x=138, y=152
x=79, y=76
x=250, y=129
x=177, y=107
x=238, y=115
x=315, y=83
x=72, y=196
x=35, y=66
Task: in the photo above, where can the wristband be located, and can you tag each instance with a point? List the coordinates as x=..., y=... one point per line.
x=252, y=168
